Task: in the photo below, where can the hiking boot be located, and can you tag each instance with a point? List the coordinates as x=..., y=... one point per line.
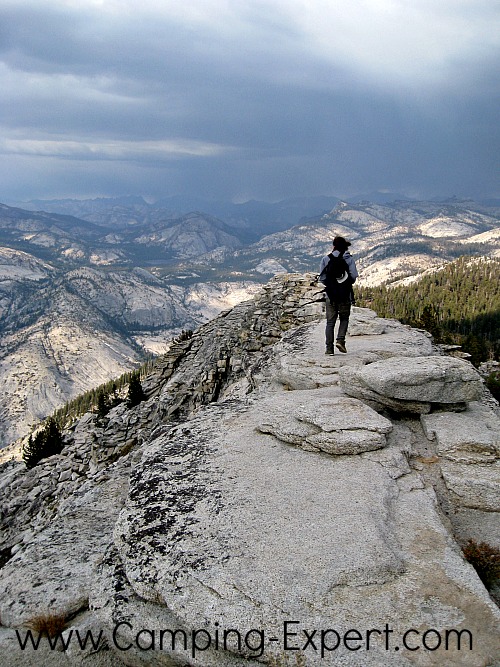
x=329, y=349
x=340, y=346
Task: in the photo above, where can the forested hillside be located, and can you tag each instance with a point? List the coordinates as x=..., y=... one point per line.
x=457, y=304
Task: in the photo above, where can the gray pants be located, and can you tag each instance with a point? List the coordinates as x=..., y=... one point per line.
x=334, y=310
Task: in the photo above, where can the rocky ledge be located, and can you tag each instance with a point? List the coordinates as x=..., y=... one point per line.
x=267, y=498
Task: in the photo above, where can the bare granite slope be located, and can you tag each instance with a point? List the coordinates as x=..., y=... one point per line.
x=251, y=506
x=63, y=334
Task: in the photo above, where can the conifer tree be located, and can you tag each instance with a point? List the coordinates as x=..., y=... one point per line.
x=103, y=406
x=135, y=392
x=30, y=453
x=476, y=347
x=429, y=322
x=493, y=384
x=47, y=442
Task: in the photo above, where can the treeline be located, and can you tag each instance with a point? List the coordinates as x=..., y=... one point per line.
x=459, y=304
x=48, y=440
x=102, y=398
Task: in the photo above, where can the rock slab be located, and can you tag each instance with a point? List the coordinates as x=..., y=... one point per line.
x=336, y=425
x=414, y=384
x=229, y=527
x=472, y=436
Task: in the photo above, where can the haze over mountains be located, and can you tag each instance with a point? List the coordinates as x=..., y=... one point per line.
x=88, y=288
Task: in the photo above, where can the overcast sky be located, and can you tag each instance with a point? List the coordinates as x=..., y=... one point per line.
x=244, y=99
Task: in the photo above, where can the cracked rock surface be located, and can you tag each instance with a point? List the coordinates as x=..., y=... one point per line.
x=335, y=425
x=414, y=385
x=252, y=489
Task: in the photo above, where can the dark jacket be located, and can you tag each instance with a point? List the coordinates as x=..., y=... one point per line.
x=339, y=292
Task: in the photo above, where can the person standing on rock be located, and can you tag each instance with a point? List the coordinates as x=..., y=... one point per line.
x=338, y=273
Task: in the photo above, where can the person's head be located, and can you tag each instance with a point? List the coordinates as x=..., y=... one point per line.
x=340, y=243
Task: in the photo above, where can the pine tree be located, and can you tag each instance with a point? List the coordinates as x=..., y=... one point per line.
x=30, y=453
x=493, y=384
x=103, y=406
x=135, y=392
x=47, y=442
x=429, y=322
x=477, y=349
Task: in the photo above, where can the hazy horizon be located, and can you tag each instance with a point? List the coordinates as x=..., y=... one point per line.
x=371, y=197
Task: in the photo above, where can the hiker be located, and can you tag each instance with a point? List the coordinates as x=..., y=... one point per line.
x=338, y=273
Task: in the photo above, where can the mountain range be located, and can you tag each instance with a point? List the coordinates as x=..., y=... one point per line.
x=90, y=288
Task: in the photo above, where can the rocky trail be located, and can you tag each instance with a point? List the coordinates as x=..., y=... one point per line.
x=266, y=498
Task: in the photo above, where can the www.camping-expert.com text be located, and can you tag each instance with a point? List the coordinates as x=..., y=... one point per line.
x=253, y=642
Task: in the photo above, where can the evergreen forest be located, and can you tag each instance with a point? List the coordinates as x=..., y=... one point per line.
x=459, y=304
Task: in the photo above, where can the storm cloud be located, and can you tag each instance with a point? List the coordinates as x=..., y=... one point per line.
x=240, y=99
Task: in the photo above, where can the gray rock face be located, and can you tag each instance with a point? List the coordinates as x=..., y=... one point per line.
x=57, y=564
x=477, y=487
x=335, y=425
x=295, y=363
x=230, y=533
x=226, y=525
x=469, y=443
x=227, y=505
x=364, y=322
x=472, y=436
x=415, y=384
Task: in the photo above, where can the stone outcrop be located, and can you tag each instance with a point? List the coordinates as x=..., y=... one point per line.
x=415, y=385
x=58, y=563
x=335, y=425
x=252, y=489
x=469, y=443
x=367, y=323
x=472, y=436
x=477, y=487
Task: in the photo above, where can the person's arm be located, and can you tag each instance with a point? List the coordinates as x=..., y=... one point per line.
x=322, y=268
x=353, y=271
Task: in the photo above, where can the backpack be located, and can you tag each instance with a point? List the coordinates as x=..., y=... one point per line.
x=336, y=271
x=338, y=283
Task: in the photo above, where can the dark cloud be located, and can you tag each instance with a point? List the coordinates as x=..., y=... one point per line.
x=258, y=99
